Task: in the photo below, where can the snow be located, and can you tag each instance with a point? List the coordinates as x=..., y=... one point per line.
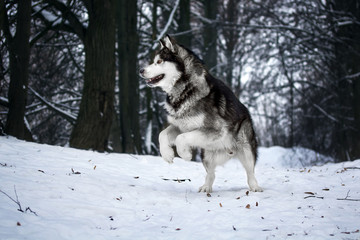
x=79, y=194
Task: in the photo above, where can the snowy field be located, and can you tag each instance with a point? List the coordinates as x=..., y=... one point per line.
x=75, y=194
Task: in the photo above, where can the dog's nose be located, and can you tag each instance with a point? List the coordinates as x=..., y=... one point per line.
x=142, y=71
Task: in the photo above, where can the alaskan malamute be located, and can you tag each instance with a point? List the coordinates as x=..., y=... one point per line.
x=202, y=113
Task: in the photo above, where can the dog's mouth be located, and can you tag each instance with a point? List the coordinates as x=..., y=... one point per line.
x=155, y=80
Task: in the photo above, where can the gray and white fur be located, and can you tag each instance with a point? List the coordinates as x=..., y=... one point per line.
x=202, y=113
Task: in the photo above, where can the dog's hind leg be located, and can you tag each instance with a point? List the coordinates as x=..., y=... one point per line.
x=209, y=165
x=210, y=160
x=247, y=159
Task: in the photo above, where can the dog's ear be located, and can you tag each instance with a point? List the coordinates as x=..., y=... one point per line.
x=162, y=44
x=170, y=43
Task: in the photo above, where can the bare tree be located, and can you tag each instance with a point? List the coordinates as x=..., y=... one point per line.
x=19, y=54
x=128, y=76
x=93, y=122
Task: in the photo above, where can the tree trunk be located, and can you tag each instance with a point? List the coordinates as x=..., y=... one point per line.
x=92, y=127
x=231, y=38
x=128, y=76
x=348, y=63
x=210, y=33
x=184, y=24
x=19, y=54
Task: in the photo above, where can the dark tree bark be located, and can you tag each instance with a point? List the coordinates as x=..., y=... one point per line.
x=92, y=127
x=231, y=38
x=148, y=91
x=210, y=35
x=19, y=54
x=128, y=76
x=347, y=52
x=184, y=24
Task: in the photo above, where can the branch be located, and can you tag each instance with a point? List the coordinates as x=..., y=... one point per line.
x=18, y=202
x=67, y=116
x=161, y=35
x=347, y=198
x=4, y=102
x=5, y=26
x=67, y=14
x=163, y=32
x=72, y=56
x=250, y=26
x=325, y=113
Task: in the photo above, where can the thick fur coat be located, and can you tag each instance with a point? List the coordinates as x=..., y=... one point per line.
x=202, y=113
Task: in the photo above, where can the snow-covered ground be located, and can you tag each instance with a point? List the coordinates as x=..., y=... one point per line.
x=88, y=195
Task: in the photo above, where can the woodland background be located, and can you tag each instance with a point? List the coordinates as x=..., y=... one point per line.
x=69, y=69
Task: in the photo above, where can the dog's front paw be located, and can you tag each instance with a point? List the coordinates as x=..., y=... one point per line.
x=205, y=188
x=167, y=154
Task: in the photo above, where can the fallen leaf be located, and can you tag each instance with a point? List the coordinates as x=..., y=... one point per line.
x=257, y=204
x=248, y=206
x=18, y=224
x=237, y=198
x=326, y=189
x=94, y=167
x=137, y=177
x=73, y=172
x=178, y=229
x=220, y=205
x=311, y=193
x=247, y=193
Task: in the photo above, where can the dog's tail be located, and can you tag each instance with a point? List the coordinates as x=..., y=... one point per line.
x=246, y=135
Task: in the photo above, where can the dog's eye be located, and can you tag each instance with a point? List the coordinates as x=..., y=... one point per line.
x=159, y=61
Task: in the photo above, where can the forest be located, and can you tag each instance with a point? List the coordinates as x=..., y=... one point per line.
x=69, y=69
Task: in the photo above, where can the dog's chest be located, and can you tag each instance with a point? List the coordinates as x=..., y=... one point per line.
x=188, y=123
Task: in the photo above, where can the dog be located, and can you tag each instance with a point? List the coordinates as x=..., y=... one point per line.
x=202, y=112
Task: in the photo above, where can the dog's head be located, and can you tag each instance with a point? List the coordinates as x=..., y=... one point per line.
x=168, y=66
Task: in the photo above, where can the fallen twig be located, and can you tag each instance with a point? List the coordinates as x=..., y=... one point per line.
x=352, y=168
x=176, y=180
x=347, y=198
x=313, y=197
x=18, y=202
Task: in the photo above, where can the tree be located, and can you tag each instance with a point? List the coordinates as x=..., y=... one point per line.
x=93, y=122
x=128, y=76
x=210, y=33
x=19, y=54
x=345, y=18
x=184, y=24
